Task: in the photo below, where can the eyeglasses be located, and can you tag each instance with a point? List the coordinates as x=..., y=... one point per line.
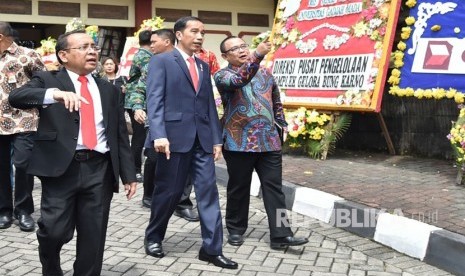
x=85, y=48
x=235, y=49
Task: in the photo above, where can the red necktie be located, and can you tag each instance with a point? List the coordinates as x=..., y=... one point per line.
x=193, y=72
x=89, y=132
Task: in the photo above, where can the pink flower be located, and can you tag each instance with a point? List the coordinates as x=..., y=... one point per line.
x=369, y=13
x=290, y=23
x=382, y=30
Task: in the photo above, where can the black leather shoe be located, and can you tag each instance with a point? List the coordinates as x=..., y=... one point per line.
x=235, y=239
x=283, y=243
x=187, y=214
x=26, y=222
x=5, y=221
x=154, y=249
x=146, y=202
x=217, y=260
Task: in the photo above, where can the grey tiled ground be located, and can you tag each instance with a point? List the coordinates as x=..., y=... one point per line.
x=331, y=251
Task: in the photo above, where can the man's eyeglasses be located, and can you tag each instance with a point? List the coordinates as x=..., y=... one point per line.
x=85, y=48
x=235, y=49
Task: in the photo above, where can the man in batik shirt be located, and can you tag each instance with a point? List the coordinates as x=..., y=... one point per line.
x=17, y=128
x=252, y=114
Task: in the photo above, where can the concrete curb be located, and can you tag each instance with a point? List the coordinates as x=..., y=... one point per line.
x=433, y=245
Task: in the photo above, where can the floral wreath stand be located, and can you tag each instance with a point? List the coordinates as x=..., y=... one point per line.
x=315, y=133
x=457, y=140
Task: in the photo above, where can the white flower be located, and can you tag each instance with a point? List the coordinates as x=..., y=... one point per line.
x=378, y=3
x=375, y=23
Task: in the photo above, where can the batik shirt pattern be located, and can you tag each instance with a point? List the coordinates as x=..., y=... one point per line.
x=16, y=67
x=134, y=99
x=252, y=107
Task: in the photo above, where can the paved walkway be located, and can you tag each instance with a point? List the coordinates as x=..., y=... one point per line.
x=423, y=189
x=331, y=251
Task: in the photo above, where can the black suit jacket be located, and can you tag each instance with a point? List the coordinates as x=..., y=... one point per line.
x=57, y=134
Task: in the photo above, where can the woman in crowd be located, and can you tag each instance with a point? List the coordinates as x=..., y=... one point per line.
x=110, y=68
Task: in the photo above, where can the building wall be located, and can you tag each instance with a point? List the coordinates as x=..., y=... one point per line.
x=114, y=13
x=217, y=32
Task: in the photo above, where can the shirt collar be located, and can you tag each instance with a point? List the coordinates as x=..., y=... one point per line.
x=184, y=55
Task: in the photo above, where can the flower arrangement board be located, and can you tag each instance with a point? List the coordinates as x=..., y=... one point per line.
x=130, y=49
x=132, y=43
x=430, y=59
x=333, y=54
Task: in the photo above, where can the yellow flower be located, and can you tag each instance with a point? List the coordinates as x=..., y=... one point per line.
x=383, y=11
x=398, y=55
x=398, y=63
x=436, y=28
x=405, y=32
x=360, y=29
x=439, y=93
x=293, y=133
x=451, y=93
x=410, y=20
x=393, y=90
x=152, y=24
x=418, y=93
x=395, y=73
x=293, y=35
x=401, y=46
x=411, y=3
x=393, y=80
x=459, y=98
x=428, y=93
x=409, y=92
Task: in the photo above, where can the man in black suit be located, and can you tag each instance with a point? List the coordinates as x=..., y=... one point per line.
x=80, y=151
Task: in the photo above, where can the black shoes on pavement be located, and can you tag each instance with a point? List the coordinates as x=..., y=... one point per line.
x=146, y=202
x=5, y=221
x=25, y=221
x=235, y=239
x=217, y=260
x=283, y=243
x=278, y=243
x=154, y=249
x=187, y=214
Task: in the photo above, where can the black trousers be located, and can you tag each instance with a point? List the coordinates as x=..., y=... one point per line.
x=268, y=166
x=149, y=180
x=137, y=141
x=149, y=172
x=22, y=202
x=79, y=199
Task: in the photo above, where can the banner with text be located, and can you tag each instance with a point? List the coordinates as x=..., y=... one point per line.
x=430, y=61
x=333, y=54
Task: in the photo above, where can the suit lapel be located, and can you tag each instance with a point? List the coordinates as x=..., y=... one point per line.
x=182, y=63
x=65, y=80
x=104, y=98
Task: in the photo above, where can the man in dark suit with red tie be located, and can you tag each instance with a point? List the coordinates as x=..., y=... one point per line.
x=185, y=130
x=80, y=152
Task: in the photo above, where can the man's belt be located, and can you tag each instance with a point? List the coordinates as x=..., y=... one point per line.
x=84, y=155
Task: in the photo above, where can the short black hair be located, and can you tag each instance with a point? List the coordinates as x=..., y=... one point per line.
x=6, y=29
x=222, y=48
x=181, y=23
x=62, y=42
x=167, y=34
x=144, y=37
